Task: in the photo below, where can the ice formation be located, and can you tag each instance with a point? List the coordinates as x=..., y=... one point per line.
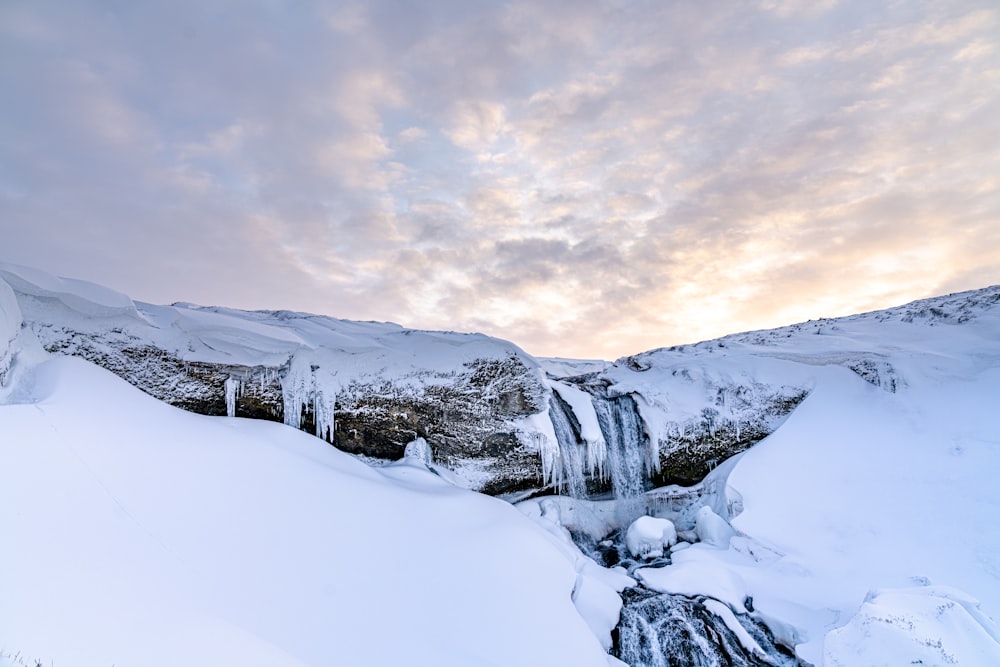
x=419, y=451
x=570, y=454
x=306, y=389
x=233, y=390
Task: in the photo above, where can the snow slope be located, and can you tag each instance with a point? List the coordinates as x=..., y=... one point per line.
x=876, y=481
x=878, y=475
x=138, y=534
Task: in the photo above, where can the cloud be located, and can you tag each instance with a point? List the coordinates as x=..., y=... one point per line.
x=586, y=179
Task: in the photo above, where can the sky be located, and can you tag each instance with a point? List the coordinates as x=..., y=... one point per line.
x=586, y=179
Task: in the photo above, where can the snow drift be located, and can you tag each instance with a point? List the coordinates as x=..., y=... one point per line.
x=136, y=533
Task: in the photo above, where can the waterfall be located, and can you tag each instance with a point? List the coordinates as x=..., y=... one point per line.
x=602, y=436
x=569, y=477
x=626, y=455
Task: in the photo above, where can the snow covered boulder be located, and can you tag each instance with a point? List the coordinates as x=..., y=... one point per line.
x=713, y=529
x=931, y=625
x=649, y=536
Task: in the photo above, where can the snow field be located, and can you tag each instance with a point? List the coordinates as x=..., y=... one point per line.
x=140, y=534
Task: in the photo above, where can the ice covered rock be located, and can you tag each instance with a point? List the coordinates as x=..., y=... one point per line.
x=649, y=537
x=929, y=625
x=712, y=528
x=418, y=451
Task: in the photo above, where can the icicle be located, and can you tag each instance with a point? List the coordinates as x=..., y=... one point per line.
x=302, y=388
x=234, y=389
x=294, y=392
x=324, y=409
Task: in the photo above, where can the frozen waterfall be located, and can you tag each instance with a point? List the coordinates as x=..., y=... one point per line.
x=601, y=436
x=626, y=443
x=570, y=476
x=303, y=393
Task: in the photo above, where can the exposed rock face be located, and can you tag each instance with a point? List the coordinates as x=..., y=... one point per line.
x=368, y=388
x=469, y=413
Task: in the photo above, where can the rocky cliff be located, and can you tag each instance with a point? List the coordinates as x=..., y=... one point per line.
x=501, y=420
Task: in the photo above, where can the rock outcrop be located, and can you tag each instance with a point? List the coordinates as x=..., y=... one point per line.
x=503, y=421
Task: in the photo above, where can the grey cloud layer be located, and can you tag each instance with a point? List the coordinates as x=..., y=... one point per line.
x=583, y=178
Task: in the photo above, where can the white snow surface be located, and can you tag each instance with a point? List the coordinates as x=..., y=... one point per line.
x=932, y=625
x=713, y=529
x=86, y=298
x=138, y=534
x=561, y=367
x=865, y=488
x=252, y=338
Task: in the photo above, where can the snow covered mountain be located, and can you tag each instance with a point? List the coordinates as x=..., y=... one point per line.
x=861, y=529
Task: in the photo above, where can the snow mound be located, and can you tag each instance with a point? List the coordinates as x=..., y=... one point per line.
x=932, y=625
x=81, y=296
x=648, y=537
x=692, y=575
x=713, y=529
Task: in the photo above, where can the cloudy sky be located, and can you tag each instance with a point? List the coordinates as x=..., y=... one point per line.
x=587, y=179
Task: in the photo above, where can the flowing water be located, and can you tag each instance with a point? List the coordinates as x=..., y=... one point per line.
x=670, y=630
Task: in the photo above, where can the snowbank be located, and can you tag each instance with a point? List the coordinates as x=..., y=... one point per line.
x=864, y=488
x=932, y=625
x=712, y=528
x=83, y=297
x=136, y=533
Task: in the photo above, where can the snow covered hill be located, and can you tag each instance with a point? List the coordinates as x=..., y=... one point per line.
x=868, y=523
x=861, y=528
x=135, y=533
